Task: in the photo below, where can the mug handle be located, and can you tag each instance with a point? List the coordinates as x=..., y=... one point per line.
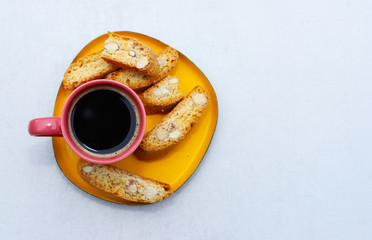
x=45, y=127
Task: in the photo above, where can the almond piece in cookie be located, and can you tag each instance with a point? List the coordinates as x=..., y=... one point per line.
x=111, y=47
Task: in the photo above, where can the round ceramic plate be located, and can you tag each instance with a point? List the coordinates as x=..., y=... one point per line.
x=178, y=164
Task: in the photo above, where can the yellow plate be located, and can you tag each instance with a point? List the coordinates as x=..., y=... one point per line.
x=177, y=165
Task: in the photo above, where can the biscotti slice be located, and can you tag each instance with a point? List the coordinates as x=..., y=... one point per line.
x=162, y=97
x=167, y=59
x=86, y=69
x=135, y=80
x=121, y=183
x=176, y=124
x=128, y=52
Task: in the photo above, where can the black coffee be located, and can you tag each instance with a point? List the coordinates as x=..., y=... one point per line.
x=103, y=121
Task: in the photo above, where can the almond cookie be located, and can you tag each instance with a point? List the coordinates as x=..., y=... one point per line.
x=167, y=59
x=86, y=69
x=135, y=80
x=176, y=124
x=121, y=183
x=127, y=52
x=162, y=97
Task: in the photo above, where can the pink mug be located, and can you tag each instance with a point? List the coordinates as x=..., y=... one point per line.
x=102, y=121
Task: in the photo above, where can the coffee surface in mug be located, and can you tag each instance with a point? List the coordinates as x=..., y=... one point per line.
x=103, y=121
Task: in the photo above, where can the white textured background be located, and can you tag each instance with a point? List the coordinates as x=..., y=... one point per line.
x=291, y=157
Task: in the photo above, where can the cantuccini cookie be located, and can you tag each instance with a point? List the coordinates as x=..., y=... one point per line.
x=86, y=69
x=127, y=52
x=176, y=124
x=123, y=184
x=162, y=97
x=167, y=60
x=137, y=81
